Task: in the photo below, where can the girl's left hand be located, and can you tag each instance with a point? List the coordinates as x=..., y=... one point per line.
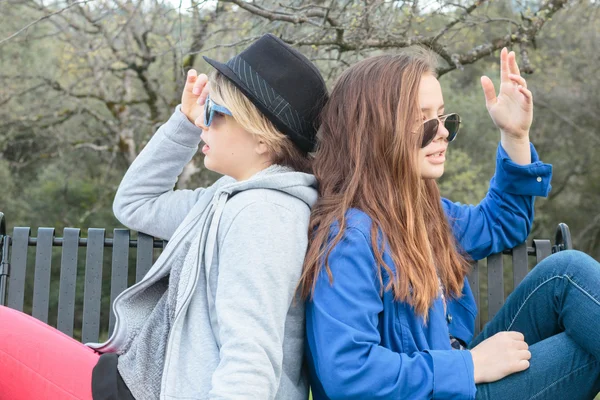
x=194, y=95
x=512, y=110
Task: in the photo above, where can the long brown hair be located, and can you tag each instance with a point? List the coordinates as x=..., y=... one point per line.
x=367, y=159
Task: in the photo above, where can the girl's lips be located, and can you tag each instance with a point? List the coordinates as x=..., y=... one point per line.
x=442, y=150
x=437, y=158
x=205, y=148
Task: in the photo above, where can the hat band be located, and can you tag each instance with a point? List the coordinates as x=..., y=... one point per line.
x=268, y=97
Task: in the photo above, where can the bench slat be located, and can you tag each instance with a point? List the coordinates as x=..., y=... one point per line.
x=68, y=281
x=495, y=284
x=18, y=267
x=474, y=283
x=520, y=263
x=543, y=248
x=145, y=251
x=93, y=286
x=120, y=267
x=41, y=279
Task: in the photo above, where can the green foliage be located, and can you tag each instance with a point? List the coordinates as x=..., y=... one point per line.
x=75, y=110
x=463, y=181
x=63, y=197
x=8, y=204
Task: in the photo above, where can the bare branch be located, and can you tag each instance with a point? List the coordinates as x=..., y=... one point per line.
x=21, y=93
x=3, y=41
x=304, y=8
x=92, y=146
x=285, y=17
x=525, y=34
x=365, y=36
x=468, y=11
x=227, y=45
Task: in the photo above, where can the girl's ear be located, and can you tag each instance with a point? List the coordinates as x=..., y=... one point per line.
x=261, y=148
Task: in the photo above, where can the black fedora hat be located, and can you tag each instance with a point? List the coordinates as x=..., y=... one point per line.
x=283, y=84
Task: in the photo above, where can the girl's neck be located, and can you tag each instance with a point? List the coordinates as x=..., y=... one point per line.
x=250, y=172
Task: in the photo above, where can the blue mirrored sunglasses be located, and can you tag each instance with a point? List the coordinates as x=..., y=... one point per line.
x=210, y=108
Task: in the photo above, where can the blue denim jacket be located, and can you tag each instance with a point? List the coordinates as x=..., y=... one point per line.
x=365, y=346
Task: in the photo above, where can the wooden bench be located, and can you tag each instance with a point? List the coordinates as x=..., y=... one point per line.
x=93, y=273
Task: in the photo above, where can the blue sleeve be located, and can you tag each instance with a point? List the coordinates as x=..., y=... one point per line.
x=344, y=341
x=503, y=218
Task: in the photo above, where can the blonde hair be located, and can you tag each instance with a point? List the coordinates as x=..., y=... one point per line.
x=282, y=150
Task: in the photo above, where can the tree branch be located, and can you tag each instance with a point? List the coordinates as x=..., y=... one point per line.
x=285, y=17
x=361, y=36
x=3, y=41
x=525, y=34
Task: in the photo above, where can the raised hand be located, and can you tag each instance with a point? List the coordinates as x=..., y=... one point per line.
x=512, y=110
x=194, y=95
x=500, y=355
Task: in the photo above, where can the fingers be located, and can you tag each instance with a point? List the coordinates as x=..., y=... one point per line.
x=518, y=79
x=521, y=345
x=504, y=66
x=192, y=76
x=195, y=83
x=200, y=84
x=527, y=94
x=522, y=366
x=489, y=91
x=524, y=354
x=204, y=95
x=512, y=63
x=516, y=335
x=522, y=87
x=522, y=362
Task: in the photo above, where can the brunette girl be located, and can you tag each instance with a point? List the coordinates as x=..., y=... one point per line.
x=390, y=312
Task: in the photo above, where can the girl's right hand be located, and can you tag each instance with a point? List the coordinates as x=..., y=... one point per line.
x=500, y=355
x=194, y=95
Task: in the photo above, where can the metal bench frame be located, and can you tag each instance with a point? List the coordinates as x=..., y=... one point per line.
x=13, y=262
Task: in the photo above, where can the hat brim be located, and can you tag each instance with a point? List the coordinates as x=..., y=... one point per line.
x=224, y=69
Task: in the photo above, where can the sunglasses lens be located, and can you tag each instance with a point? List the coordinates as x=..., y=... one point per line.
x=452, y=123
x=430, y=129
x=207, y=111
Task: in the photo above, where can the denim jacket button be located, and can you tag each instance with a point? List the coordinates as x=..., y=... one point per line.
x=539, y=178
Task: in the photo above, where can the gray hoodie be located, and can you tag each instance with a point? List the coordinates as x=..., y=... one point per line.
x=241, y=336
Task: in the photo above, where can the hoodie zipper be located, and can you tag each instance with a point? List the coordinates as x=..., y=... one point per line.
x=178, y=313
x=141, y=284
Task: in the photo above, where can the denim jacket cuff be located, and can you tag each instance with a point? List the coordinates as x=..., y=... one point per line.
x=522, y=180
x=453, y=374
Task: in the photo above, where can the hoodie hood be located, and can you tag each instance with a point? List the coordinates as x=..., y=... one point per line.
x=276, y=177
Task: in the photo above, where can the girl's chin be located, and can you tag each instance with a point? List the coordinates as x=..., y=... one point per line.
x=433, y=173
x=210, y=164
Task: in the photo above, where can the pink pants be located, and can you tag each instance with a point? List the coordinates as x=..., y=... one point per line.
x=38, y=362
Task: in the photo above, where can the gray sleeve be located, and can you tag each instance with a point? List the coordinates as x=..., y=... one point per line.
x=145, y=200
x=260, y=263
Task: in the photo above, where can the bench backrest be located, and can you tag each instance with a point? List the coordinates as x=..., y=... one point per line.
x=86, y=271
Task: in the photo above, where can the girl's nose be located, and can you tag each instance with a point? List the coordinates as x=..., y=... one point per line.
x=199, y=122
x=442, y=131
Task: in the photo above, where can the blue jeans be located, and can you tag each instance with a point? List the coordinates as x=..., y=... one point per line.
x=557, y=308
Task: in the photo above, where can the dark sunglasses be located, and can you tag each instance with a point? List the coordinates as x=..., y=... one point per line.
x=430, y=128
x=210, y=108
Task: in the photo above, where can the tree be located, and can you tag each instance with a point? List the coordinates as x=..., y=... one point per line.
x=84, y=84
